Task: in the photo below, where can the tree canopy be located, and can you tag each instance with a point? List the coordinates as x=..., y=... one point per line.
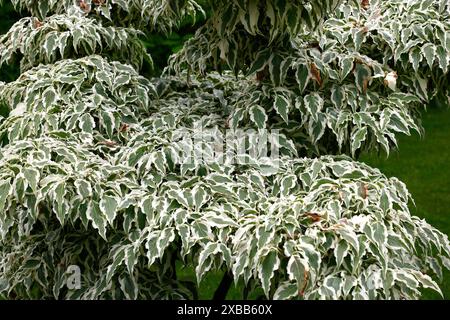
x=119, y=174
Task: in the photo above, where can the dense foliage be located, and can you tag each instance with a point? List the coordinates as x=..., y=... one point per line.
x=118, y=174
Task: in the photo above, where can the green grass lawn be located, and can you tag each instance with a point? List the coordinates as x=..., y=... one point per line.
x=423, y=163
